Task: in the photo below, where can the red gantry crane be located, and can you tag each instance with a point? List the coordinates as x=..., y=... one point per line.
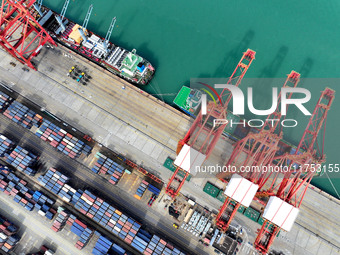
x=202, y=136
x=257, y=149
x=20, y=33
x=286, y=197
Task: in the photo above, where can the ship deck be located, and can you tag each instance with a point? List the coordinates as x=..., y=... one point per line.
x=146, y=130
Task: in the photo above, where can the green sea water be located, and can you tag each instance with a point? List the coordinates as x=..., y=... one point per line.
x=201, y=38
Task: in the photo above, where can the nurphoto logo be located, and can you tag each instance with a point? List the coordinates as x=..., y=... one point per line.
x=239, y=105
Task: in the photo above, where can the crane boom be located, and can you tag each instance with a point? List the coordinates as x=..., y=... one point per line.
x=87, y=17
x=109, y=32
x=62, y=15
x=63, y=11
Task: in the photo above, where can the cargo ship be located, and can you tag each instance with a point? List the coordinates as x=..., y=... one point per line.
x=119, y=61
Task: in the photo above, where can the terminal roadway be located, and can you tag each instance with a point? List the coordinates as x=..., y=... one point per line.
x=83, y=177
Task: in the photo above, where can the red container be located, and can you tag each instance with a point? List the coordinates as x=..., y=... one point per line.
x=23, y=182
x=80, y=223
x=128, y=240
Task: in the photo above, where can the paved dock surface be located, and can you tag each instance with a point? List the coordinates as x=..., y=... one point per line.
x=126, y=119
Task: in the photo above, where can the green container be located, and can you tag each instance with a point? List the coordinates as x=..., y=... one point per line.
x=221, y=196
x=211, y=189
x=241, y=209
x=260, y=221
x=252, y=214
x=169, y=164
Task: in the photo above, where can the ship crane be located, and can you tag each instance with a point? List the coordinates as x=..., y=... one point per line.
x=62, y=15
x=286, y=197
x=200, y=140
x=256, y=149
x=86, y=21
x=109, y=32
x=21, y=34
x=37, y=7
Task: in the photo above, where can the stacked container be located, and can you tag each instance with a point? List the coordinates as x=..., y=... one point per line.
x=160, y=246
x=105, y=165
x=7, y=243
x=81, y=230
x=102, y=246
x=154, y=190
x=51, y=133
x=141, y=241
x=55, y=181
x=63, y=141
x=22, y=160
x=5, y=145
x=5, y=100
x=44, y=205
x=8, y=239
x=27, y=198
x=22, y=115
x=61, y=219
x=141, y=189
x=71, y=219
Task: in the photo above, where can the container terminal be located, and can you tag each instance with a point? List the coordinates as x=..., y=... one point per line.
x=99, y=175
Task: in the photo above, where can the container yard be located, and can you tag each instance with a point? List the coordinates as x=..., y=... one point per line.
x=84, y=160
x=112, y=219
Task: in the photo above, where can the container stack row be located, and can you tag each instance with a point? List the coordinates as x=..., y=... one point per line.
x=7, y=243
x=160, y=246
x=80, y=229
x=22, y=115
x=71, y=219
x=44, y=205
x=154, y=190
x=22, y=160
x=55, y=181
x=105, y=165
x=51, y=133
x=102, y=246
x=62, y=140
x=105, y=246
x=107, y=216
x=5, y=100
x=7, y=227
x=24, y=196
x=60, y=220
x=8, y=238
x=6, y=145
x=141, y=189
